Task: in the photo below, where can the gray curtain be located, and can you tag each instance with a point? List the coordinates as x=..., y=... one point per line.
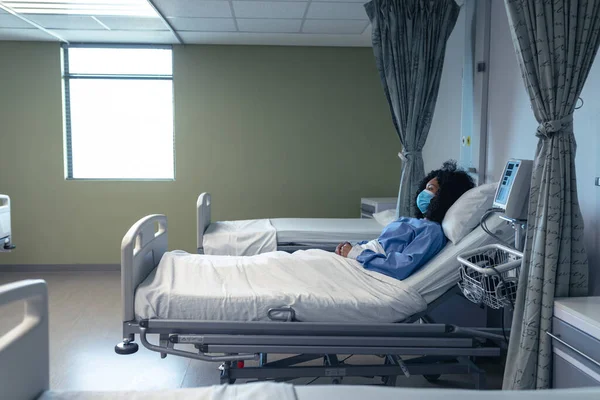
x=556, y=42
x=409, y=42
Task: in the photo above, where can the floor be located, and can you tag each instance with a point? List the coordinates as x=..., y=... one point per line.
x=85, y=324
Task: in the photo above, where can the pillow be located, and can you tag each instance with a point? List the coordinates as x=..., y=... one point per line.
x=465, y=213
x=385, y=217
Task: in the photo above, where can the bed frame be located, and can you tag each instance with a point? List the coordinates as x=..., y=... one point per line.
x=24, y=350
x=435, y=348
x=203, y=221
x=6, y=244
x=24, y=354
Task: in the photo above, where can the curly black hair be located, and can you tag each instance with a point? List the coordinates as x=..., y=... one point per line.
x=453, y=182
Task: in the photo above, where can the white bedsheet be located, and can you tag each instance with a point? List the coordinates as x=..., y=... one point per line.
x=321, y=392
x=318, y=231
x=320, y=287
x=251, y=391
x=441, y=273
x=240, y=238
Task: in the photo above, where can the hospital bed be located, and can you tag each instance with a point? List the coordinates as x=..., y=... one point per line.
x=175, y=301
x=249, y=237
x=5, y=224
x=25, y=375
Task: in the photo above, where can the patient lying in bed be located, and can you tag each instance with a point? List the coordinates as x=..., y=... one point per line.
x=407, y=244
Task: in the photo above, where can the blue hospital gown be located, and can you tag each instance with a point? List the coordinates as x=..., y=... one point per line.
x=407, y=244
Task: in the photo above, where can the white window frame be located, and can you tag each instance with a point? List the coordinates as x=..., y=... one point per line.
x=67, y=77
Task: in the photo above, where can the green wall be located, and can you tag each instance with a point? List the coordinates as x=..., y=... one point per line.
x=268, y=131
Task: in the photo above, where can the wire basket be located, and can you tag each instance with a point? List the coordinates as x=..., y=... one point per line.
x=489, y=275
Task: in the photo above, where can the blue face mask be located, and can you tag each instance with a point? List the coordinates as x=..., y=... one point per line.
x=423, y=200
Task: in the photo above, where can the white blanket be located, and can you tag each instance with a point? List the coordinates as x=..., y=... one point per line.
x=250, y=391
x=240, y=238
x=320, y=287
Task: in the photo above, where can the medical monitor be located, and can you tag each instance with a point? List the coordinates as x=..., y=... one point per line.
x=512, y=195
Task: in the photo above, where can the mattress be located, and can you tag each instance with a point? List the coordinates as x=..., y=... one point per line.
x=320, y=286
x=318, y=231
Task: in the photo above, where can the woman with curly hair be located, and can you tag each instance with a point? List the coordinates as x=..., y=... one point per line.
x=407, y=244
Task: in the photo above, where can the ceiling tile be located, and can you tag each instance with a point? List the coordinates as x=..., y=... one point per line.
x=203, y=24
x=336, y=11
x=26, y=34
x=194, y=8
x=269, y=25
x=279, y=39
x=116, y=36
x=10, y=21
x=334, y=26
x=65, y=21
x=268, y=9
x=133, y=23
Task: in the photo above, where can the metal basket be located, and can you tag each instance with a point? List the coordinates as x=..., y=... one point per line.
x=489, y=275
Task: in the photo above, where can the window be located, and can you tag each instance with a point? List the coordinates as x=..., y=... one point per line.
x=118, y=112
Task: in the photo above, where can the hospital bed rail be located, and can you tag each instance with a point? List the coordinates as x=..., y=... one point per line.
x=24, y=350
x=436, y=348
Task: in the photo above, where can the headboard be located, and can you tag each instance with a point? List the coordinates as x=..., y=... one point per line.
x=202, y=217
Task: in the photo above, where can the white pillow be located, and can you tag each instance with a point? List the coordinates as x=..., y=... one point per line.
x=465, y=213
x=385, y=217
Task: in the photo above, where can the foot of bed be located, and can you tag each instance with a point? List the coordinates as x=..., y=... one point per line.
x=126, y=347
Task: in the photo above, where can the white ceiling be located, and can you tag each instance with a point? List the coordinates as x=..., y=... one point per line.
x=271, y=22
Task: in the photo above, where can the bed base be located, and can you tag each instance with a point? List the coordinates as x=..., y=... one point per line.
x=433, y=349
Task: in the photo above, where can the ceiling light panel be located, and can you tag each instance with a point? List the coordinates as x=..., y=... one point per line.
x=194, y=8
x=269, y=9
x=139, y=8
x=336, y=11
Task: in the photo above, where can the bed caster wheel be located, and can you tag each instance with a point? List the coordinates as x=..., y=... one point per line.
x=125, y=348
x=336, y=381
x=432, y=378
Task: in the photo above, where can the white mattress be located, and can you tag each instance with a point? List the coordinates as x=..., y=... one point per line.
x=318, y=231
x=318, y=285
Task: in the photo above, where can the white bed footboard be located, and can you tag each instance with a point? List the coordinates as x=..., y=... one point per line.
x=24, y=350
x=141, y=250
x=202, y=217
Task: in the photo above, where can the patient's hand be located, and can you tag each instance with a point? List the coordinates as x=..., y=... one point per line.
x=343, y=249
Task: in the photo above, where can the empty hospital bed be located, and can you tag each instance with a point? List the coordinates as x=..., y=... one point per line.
x=5, y=224
x=25, y=375
x=193, y=299
x=249, y=237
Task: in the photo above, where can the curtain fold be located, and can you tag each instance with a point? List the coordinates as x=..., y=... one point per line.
x=409, y=42
x=556, y=43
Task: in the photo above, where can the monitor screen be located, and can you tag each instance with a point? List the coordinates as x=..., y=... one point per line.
x=506, y=183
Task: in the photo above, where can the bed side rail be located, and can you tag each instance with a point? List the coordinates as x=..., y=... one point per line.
x=141, y=250
x=202, y=217
x=24, y=350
